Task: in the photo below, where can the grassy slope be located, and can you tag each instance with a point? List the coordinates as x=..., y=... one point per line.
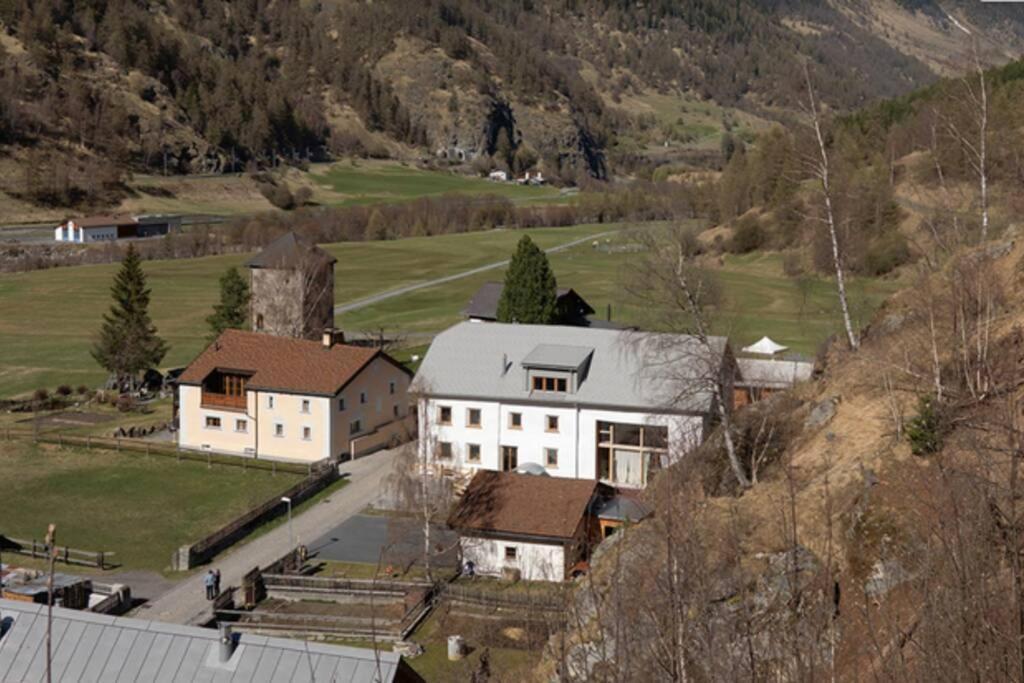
x=48, y=318
x=140, y=508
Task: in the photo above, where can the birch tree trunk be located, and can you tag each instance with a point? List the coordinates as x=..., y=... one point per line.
x=824, y=174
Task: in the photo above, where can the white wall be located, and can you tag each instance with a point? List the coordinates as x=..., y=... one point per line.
x=576, y=439
x=535, y=561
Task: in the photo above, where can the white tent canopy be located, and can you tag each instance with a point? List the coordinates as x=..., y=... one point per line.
x=765, y=347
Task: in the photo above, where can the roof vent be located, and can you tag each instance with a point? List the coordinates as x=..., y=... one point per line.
x=228, y=642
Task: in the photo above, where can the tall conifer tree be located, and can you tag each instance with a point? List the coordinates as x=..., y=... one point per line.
x=233, y=310
x=530, y=294
x=128, y=342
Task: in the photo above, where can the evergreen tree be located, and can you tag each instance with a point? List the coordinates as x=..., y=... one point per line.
x=128, y=343
x=530, y=292
x=233, y=310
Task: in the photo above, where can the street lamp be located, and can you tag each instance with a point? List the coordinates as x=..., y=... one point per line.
x=291, y=536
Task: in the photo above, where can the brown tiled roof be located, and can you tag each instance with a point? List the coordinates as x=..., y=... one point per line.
x=103, y=221
x=281, y=363
x=534, y=505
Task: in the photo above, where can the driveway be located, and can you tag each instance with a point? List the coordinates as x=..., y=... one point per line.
x=386, y=538
x=186, y=603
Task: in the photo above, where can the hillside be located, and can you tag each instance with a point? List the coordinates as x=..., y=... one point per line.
x=93, y=91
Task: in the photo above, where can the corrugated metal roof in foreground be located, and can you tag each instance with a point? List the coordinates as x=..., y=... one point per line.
x=96, y=647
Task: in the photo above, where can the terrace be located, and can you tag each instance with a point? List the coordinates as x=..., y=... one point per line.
x=225, y=390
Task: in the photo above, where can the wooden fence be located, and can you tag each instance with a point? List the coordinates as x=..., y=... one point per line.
x=546, y=601
x=201, y=551
x=33, y=548
x=151, y=448
x=319, y=584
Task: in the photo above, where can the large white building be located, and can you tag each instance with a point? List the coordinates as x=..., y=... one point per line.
x=573, y=402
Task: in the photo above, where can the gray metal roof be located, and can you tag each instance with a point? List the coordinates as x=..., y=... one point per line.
x=655, y=372
x=623, y=509
x=97, y=647
x=557, y=356
x=773, y=373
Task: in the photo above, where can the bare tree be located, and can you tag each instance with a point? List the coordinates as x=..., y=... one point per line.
x=973, y=137
x=671, y=286
x=821, y=168
x=418, y=484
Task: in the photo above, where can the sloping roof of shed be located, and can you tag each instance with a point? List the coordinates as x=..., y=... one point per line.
x=288, y=251
x=527, y=504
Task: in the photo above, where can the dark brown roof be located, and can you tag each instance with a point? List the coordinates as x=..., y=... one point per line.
x=528, y=504
x=287, y=251
x=103, y=221
x=281, y=363
x=484, y=304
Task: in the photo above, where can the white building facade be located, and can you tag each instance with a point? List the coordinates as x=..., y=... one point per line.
x=534, y=561
x=504, y=397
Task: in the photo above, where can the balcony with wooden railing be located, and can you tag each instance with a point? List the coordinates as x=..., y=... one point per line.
x=223, y=401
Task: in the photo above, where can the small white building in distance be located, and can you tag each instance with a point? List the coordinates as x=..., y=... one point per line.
x=498, y=176
x=574, y=402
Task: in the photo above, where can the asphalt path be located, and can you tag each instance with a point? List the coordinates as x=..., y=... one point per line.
x=401, y=291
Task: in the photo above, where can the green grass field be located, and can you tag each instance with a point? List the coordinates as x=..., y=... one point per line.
x=757, y=299
x=49, y=318
x=140, y=508
x=369, y=182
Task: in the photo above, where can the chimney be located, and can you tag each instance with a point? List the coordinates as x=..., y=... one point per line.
x=228, y=642
x=332, y=336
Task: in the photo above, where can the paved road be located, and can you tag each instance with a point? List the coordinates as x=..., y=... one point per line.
x=400, y=291
x=381, y=538
x=187, y=604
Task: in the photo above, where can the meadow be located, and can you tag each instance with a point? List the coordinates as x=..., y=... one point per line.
x=140, y=508
x=757, y=298
x=49, y=318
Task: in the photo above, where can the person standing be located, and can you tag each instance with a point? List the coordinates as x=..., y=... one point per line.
x=216, y=582
x=208, y=582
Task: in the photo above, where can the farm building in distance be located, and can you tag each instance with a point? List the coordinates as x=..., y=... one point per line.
x=574, y=402
x=764, y=370
x=115, y=227
x=258, y=395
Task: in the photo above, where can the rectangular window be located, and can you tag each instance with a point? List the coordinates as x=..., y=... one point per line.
x=444, y=450
x=241, y=426
x=305, y=405
x=212, y=422
x=307, y=433
x=509, y=458
x=551, y=457
x=510, y=553
x=515, y=420
x=341, y=405
x=354, y=427
x=391, y=387
x=444, y=415
x=394, y=410
x=474, y=453
x=551, y=423
x=278, y=429
x=362, y=397
x=270, y=402
x=473, y=417
x=550, y=384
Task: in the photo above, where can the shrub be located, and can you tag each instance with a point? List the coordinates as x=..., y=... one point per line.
x=64, y=390
x=125, y=403
x=886, y=254
x=927, y=430
x=82, y=389
x=40, y=395
x=278, y=195
x=747, y=236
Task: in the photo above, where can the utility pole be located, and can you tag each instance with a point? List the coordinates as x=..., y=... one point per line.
x=51, y=549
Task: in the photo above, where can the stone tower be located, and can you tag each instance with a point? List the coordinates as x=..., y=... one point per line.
x=292, y=287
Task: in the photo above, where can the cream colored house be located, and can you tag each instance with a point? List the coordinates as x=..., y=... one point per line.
x=262, y=396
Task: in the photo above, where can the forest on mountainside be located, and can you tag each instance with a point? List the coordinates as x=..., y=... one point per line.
x=95, y=90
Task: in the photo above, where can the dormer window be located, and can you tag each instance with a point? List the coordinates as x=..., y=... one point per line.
x=544, y=383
